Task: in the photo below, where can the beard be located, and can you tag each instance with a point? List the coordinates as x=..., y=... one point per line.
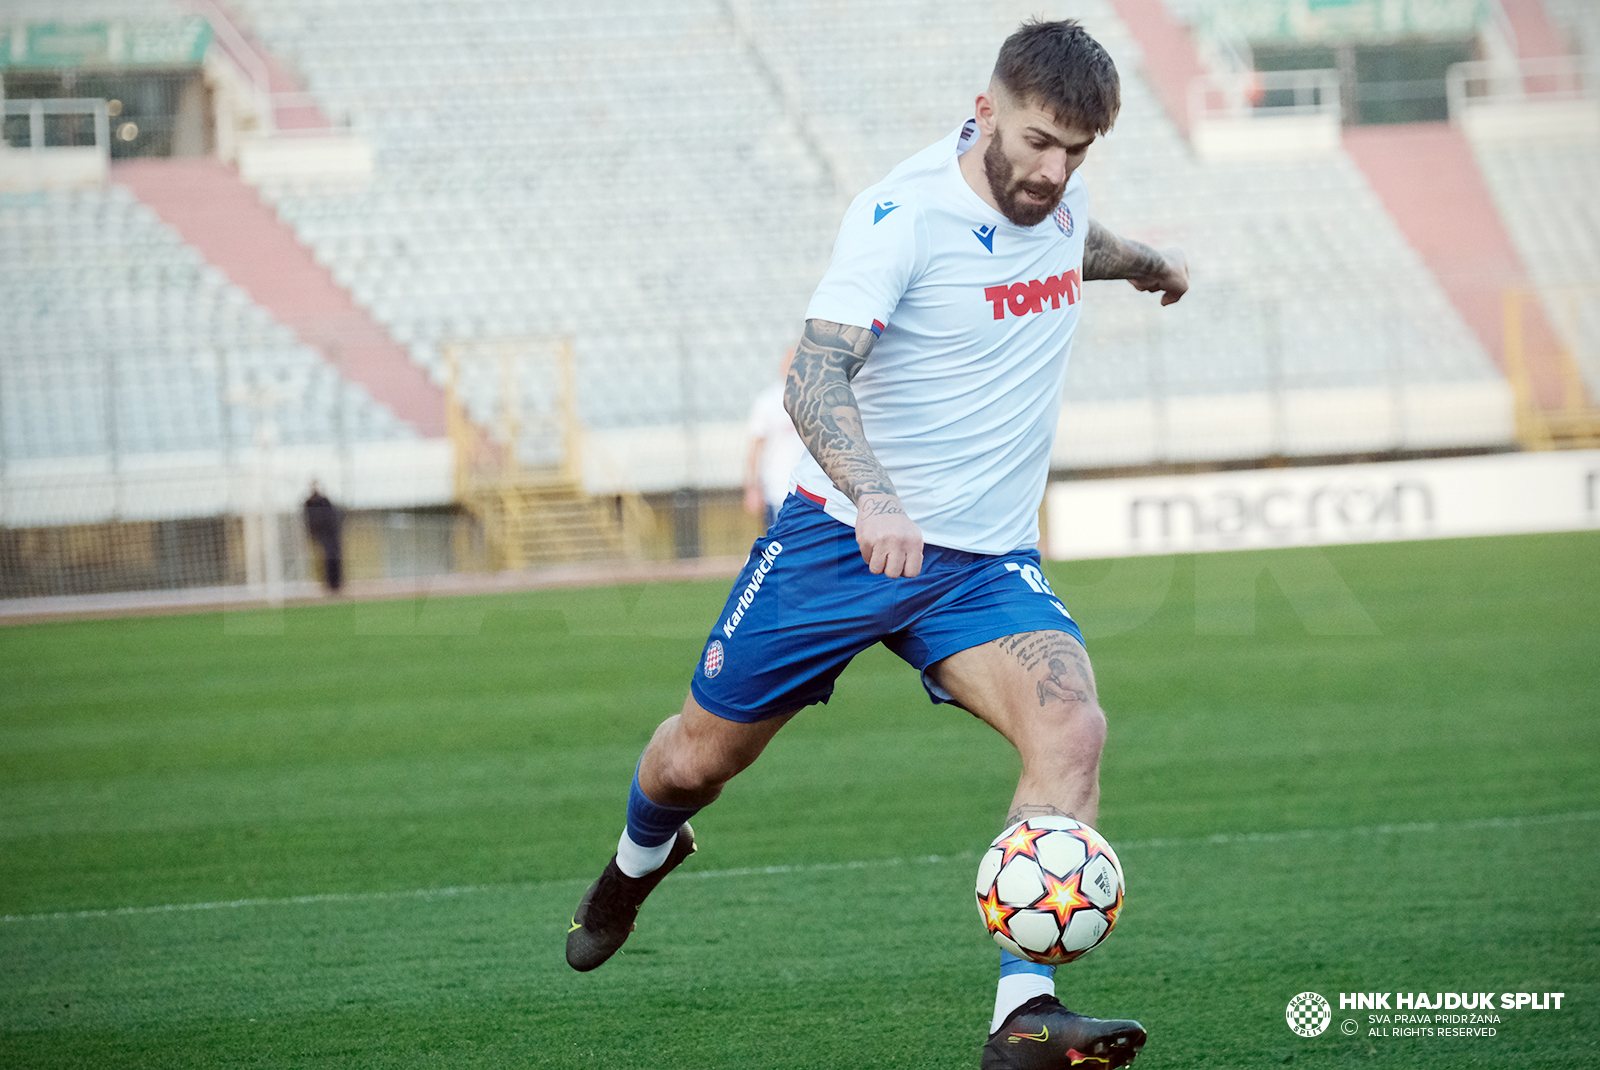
x=1008, y=190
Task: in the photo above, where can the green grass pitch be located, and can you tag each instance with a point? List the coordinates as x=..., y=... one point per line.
x=353, y=834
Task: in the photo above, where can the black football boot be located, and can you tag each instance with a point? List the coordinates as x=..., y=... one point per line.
x=607, y=910
x=1043, y=1035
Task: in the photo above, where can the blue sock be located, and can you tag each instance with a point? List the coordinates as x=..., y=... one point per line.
x=1010, y=964
x=1020, y=981
x=649, y=823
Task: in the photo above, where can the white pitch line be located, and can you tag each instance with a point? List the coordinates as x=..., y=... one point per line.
x=1369, y=830
x=1219, y=839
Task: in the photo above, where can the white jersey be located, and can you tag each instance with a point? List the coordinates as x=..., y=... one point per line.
x=975, y=315
x=780, y=442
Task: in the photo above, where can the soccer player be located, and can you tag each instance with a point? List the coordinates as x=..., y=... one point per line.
x=926, y=387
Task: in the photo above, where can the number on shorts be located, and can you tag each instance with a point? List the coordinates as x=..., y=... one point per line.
x=1035, y=579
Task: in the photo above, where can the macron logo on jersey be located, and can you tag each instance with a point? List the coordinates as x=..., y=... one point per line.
x=985, y=235
x=882, y=209
x=1021, y=298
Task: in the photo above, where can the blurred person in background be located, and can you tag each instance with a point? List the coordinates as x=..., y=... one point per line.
x=322, y=524
x=774, y=448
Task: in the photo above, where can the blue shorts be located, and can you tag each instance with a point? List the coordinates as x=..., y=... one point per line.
x=806, y=604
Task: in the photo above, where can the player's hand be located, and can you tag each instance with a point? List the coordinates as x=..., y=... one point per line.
x=891, y=543
x=1172, y=281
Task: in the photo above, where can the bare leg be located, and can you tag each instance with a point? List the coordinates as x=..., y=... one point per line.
x=1037, y=689
x=690, y=758
x=694, y=753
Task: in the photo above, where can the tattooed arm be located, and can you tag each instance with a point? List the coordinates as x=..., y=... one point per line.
x=1106, y=256
x=824, y=410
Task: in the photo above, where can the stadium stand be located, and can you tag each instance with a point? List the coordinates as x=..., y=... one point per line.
x=1313, y=320
x=121, y=338
x=654, y=191
x=79, y=11
x=1579, y=22
x=222, y=217
x=1545, y=190
x=677, y=292
x=550, y=173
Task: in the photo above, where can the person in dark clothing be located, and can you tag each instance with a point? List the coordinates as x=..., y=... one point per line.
x=322, y=522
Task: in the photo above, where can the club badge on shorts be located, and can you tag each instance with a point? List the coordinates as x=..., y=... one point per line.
x=713, y=664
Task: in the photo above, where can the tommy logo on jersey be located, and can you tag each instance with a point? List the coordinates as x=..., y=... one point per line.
x=881, y=209
x=986, y=235
x=1021, y=298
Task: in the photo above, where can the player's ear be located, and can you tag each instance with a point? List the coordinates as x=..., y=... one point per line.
x=986, y=109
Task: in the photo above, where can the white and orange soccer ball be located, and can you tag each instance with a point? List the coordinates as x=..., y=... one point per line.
x=1050, y=889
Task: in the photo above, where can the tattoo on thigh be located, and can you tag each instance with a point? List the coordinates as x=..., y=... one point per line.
x=1059, y=684
x=1029, y=648
x=1067, y=677
x=1023, y=811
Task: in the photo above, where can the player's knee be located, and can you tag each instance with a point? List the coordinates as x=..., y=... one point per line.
x=1070, y=734
x=695, y=770
x=1094, y=725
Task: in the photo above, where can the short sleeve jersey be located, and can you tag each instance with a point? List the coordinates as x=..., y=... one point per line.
x=975, y=317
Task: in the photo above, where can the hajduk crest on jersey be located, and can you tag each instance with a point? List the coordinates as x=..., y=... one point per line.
x=1063, y=218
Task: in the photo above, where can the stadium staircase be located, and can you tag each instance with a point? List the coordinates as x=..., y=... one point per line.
x=214, y=211
x=1454, y=225
x=1535, y=33
x=677, y=304
x=1171, y=61
x=532, y=517
x=535, y=515
x=545, y=519
x=1457, y=229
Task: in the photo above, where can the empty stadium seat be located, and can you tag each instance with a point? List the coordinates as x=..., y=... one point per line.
x=547, y=170
x=120, y=340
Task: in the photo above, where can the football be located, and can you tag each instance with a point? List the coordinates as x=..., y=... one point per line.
x=1050, y=889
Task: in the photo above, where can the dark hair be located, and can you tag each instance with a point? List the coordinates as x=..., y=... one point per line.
x=1058, y=66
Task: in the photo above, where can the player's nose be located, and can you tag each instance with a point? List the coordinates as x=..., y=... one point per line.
x=1055, y=167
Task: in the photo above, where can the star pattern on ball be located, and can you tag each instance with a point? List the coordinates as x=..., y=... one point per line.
x=1092, y=843
x=1020, y=842
x=1106, y=849
x=1113, y=910
x=996, y=915
x=1063, y=898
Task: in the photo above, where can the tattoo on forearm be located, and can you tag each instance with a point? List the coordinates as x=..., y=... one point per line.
x=824, y=410
x=1106, y=256
x=1023, y=811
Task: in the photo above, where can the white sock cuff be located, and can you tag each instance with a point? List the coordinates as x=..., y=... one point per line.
x=1015, y=990
x=636, y=861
